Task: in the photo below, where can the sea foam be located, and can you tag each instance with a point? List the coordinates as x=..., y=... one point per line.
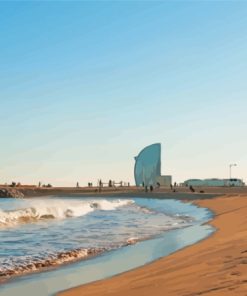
x=36, y=234
x=57, y=209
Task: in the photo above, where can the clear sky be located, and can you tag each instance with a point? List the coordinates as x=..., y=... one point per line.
x=84, y=86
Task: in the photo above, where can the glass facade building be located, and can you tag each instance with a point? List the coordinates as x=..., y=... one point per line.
x=148, y=165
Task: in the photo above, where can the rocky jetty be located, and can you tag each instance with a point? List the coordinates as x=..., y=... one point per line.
x=10, y=192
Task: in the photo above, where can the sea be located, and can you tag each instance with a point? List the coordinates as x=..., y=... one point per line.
x=55, y=243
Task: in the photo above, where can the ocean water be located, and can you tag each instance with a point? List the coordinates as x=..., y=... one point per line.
x=40, y=234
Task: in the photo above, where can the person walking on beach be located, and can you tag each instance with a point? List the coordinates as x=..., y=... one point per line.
x=191, y=188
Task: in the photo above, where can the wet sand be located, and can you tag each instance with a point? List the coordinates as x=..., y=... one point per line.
x=215, y=266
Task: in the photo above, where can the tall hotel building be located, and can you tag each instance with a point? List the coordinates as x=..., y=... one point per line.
x=148, y=167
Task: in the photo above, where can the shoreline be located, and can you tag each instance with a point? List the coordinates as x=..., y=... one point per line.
x=214, y=266
x=112, y=263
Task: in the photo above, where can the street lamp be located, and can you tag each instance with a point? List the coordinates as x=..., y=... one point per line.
x=230, y=168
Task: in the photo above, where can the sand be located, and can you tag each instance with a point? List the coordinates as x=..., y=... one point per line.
x=214, y=266
x=132, y=191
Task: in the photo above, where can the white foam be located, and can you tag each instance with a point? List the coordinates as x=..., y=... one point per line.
x=57, y=209
x=107, y=205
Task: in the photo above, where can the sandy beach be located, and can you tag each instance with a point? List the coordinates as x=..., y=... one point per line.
x=181, y=192
x=214, y=266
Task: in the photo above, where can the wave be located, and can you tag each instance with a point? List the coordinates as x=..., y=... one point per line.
x=57, y=209
x=27, y=265
x=128, y=225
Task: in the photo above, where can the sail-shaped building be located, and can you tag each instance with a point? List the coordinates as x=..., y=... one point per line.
x=148, y=165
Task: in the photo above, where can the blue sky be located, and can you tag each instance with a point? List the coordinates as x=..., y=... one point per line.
x=84, y=86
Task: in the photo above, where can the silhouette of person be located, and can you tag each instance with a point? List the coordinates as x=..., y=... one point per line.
x=192, y=189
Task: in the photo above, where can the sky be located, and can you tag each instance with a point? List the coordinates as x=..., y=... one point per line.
x=85, y=85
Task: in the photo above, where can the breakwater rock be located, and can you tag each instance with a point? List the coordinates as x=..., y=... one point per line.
x=10, y=192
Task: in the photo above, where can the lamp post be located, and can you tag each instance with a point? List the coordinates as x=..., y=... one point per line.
x=230, y=168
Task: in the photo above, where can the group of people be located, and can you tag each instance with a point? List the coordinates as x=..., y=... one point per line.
x=151, y=188
x=110, y=184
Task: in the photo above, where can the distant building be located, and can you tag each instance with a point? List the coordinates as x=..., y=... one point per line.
x=214, y=182
x=148, y=167
x=164, y=180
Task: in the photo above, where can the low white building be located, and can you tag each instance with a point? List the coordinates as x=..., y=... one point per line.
x=215, y=182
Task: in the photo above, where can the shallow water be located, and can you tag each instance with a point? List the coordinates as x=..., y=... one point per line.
x=107, y=225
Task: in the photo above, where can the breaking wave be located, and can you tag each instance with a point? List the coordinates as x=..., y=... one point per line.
x=29, y=245
x=27, y=265
x=57, y=209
